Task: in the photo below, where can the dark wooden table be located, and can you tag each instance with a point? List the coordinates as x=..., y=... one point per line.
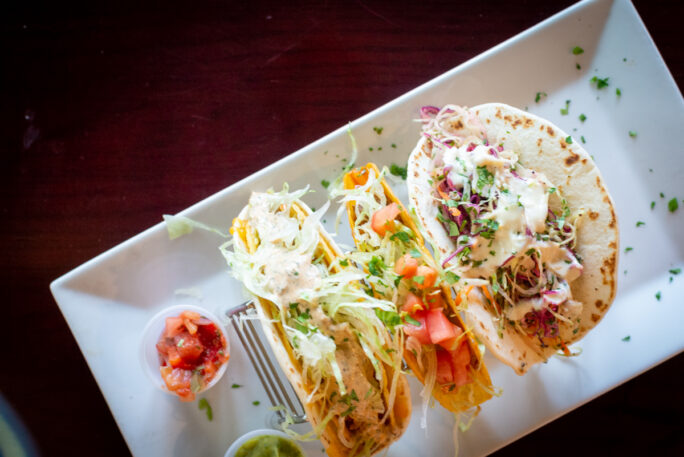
x=113, y=115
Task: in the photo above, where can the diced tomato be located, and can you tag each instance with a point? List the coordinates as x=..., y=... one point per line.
x=383, y=218
x=192, y=328
x=429, y=276
x=189, y=348
x=406, y=266
x=439, y=327
x=445, y=373
x=460, y=360
x=175, y=360
x=174, y=325
x=462, y=355
x=419, y=332
x=461, y=376
x=412, y=304
x=435, y=301
x=178, y=380
x=451, y=344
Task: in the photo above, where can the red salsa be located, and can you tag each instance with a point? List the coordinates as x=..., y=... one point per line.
x=191, y=351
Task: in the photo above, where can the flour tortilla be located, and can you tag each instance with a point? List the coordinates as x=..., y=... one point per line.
x=246, y=239
x=541, y=146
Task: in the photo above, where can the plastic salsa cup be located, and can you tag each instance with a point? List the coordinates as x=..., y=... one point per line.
x=255, y=442
x=150, y=356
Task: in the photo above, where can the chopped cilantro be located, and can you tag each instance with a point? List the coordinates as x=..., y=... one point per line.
x=658, y=295
x=375, y=266
x=412, y=321
x=632, y=134
x=394, y=146
x=675, y=271
x=451, y=277
x=600, y=82
x=539, y=96
x=377, y=130
x=484, y=177
x=419, y=279
x=578, y=66
x=236, y=386
x=566, y=110
x=662, y=195
x=396, y=170
x=673, y=205
x=325, y=183
x=640, y=223
x=370, y=148
x=582, y=117
x=629, y=248
x=568, y=139
x=204, y=404
x=627, y=338
x=256, y=402
x=577, y=50
x=552, y=190
x=652, y=205
x=344, y=262
x=390, y=318
x=583, y=140
x=618, y=92
x=401, y=236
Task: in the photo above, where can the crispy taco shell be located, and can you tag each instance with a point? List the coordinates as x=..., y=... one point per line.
x=464, y=397
x=247, y=238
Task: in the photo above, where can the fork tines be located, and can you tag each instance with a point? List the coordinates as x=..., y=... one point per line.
x=281, y=394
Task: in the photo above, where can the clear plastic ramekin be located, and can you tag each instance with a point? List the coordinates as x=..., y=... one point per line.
x=149, y=356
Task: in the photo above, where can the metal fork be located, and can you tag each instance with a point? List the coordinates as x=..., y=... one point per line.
x=271, y=376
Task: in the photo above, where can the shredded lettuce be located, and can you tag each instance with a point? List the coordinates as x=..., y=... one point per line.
x=178, y=226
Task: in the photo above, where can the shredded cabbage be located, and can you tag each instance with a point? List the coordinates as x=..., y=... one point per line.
x=319, y=303
x=178, y=226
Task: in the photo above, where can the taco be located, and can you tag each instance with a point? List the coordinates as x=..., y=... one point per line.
x=515, y=207
x=438, y=348
x=344, y=363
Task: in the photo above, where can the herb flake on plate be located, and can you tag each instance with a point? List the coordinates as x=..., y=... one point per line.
x=673, y=205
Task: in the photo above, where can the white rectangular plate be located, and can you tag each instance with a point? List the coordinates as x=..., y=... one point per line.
x=108, y=300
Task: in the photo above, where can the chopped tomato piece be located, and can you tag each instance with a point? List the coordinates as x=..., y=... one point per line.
x=429, y=276
x=439, y=326
x=174, y=325
x=383, y=218
x=192, y=328
x=451, y=344
x=189, y=348
x=461, y=376
x=175, y=359
x=435, y=301
x=412, y=304
x=445, y=373
x=420, y=332
x=461, y=356
x=178, y=380
x=406, y=266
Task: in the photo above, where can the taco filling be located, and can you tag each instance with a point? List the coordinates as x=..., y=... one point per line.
x=510, y=227
x=349, y=361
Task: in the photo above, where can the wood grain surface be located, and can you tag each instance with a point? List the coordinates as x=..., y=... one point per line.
x=114, y=114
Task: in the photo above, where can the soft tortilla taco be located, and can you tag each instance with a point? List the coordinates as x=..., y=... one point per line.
x=438, y=348
x=516, y=208
x=342, y=361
